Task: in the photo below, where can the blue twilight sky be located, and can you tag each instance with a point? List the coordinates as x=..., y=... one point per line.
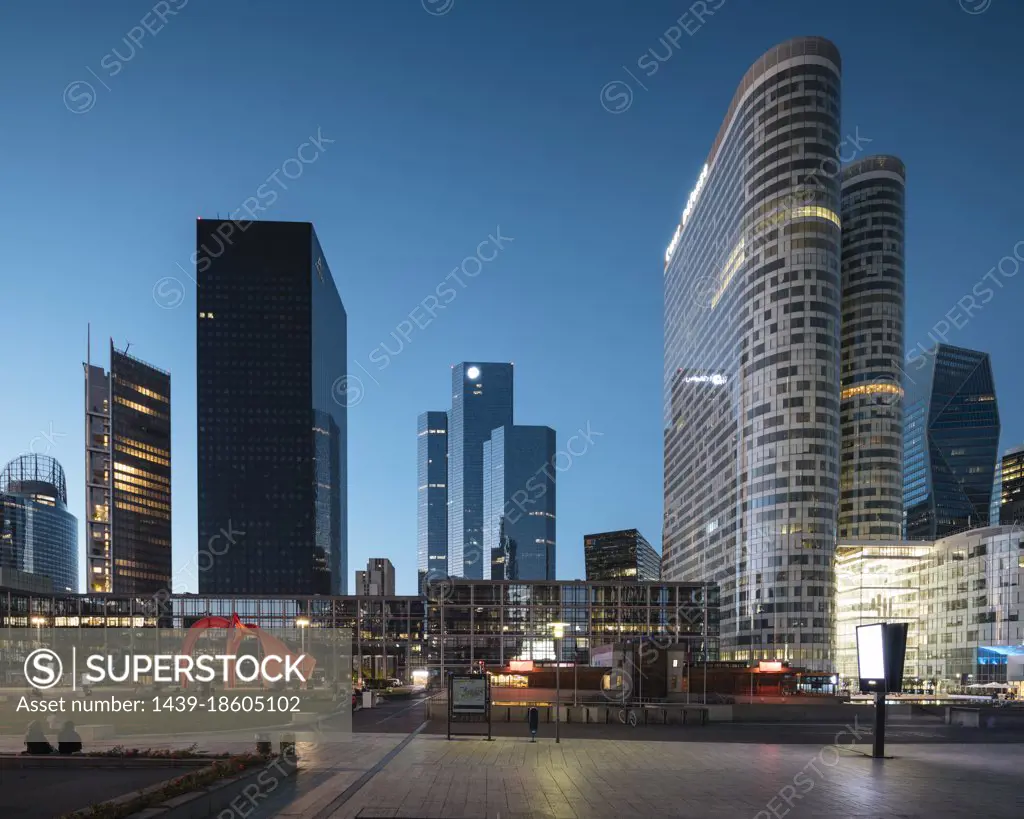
x=445, y=127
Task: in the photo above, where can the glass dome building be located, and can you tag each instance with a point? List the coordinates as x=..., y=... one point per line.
x=37, y=533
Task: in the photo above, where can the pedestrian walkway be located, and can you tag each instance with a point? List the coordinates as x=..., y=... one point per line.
x=510, y=778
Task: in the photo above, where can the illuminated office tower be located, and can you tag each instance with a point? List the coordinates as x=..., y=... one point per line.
x=432, y=496
x=127, y=476
x=481, y=402
x=871, y=370
x=950, y=442
x=752, y=310
x=1008, y=497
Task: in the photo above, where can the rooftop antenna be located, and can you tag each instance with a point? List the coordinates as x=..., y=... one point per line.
x=127, y=346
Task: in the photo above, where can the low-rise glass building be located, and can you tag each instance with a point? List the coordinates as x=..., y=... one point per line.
x=960, y=594
x=877, y=582
x=489, y=622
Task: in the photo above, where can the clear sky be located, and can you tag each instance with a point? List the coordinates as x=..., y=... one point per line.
x=445, y=127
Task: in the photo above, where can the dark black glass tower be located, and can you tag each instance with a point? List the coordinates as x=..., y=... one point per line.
x=622, y=555
x=271, y=393
x=950, y=442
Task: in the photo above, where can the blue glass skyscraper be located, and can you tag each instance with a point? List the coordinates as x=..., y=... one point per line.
x=481, y=402
x=432, y=495
x=519, y=503
x=950, y=442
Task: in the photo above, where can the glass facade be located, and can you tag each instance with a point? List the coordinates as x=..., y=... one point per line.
x=431, y=495
x=877, y=582
x=871, y=406
x=960, y=594
x=488, y=621
x=387, y=632
x=1008, y=502
x=970, y=598
x=140, y=421
x=481, y=402
x=622, y=555
x=37, y=533
x=752, y=313
x=519, y=503
x=950, y=442
x=272, y=437
x=128, y=476
x=495, y=622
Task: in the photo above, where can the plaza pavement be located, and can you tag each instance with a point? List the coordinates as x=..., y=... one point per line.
x=429, y=776
x=423, y=775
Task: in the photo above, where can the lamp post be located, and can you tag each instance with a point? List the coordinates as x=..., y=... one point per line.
x=558, y=630
x=303, y=624
x=39, y=622
x=704, y=628
x=575, y=672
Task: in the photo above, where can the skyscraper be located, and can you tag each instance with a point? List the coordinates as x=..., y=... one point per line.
x=38, y=534
x=1008, y=502
x=127, y=476
x=481, y=402
x=871, y=408
x=519, y=503
x=621, y=555
x=432, y=495
x=752, y=311
x=271, y=369
x=950, y=443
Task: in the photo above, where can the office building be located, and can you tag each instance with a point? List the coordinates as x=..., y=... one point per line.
x=272, y=439
x=38, y=535
x=519, y=503
x=950, y=442
x=752, y=324
x=431, y=496
x=970, y=607
x=481, y=402
x=1008, y=501
x=871, y=350
x=959, y=594
x=377, y=580
x=621, y=555
x=496, y=623
x=127, y=476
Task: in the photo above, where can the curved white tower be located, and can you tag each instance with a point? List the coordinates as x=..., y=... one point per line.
x=752, y=297
x=871, y=408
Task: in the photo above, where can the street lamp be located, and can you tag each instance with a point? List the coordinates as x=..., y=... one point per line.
x=38, y=622
x=558, y=629
x=303, y=624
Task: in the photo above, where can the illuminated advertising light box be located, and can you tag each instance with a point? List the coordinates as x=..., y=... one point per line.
x=881, y=649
